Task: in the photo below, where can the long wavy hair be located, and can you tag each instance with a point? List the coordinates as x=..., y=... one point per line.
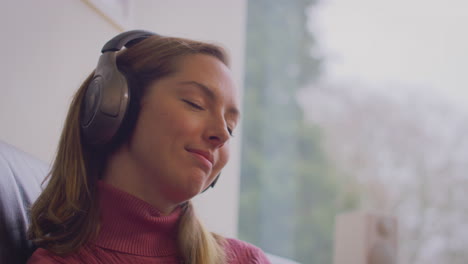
x=65, y=216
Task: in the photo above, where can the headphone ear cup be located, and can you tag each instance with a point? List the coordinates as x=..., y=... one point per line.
x=131, y=114
x=212, y=185
x=105, y=103
x=91, y=101
x=106, y=100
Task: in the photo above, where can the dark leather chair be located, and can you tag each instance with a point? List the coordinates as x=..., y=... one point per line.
x=21, y=176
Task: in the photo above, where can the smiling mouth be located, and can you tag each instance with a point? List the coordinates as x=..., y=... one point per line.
x=203, y=157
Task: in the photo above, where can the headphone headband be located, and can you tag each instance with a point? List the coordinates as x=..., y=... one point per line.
x=124, y=38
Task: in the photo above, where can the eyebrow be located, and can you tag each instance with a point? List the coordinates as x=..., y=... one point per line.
x=208, y=92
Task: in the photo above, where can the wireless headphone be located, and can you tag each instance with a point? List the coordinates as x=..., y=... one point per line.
x=107, y=98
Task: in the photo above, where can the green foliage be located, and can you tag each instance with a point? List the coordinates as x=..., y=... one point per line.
x=289, y=191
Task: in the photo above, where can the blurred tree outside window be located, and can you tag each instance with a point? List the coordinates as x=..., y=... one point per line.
x=289, y=192
x=382, y=137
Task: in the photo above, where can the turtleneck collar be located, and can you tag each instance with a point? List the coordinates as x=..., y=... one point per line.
x=131, y=225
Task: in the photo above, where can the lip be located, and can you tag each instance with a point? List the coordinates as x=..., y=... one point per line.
x=206, y=155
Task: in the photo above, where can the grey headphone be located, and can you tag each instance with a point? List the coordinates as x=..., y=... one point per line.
x=107, y=97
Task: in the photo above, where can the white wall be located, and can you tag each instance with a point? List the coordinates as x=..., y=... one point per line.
x=50, y=46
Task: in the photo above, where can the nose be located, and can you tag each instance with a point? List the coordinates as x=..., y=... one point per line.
x=217, y=134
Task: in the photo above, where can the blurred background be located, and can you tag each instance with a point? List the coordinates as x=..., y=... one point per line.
x=356, y=105
x=347, y=106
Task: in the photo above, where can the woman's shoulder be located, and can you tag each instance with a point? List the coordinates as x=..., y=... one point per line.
x=243, y=252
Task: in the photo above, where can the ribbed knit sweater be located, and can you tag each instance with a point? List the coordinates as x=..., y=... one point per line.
x=133, y=231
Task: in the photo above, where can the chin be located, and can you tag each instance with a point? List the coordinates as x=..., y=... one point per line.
x=185, y=192
x=197, y=180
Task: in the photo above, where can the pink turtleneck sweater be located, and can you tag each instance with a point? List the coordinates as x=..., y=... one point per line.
x=132, y=231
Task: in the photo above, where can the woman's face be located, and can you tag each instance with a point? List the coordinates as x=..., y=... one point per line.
x=180, y=142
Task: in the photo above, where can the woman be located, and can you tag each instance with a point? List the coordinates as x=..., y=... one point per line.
x=147, y=131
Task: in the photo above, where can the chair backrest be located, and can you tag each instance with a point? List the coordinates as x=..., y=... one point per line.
x=21, y=176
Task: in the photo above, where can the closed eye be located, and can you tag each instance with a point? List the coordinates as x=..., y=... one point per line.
x=198, y=107
x=194, y=105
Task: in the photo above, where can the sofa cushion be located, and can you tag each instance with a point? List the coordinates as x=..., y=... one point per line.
x=21, y=176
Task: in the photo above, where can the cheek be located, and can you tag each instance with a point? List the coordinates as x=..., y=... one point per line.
x=223, y=156
x=184, y=124
x=172, y=126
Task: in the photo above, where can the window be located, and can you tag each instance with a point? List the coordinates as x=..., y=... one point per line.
x=355, y=105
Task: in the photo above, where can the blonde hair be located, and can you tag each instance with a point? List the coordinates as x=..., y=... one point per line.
x=64, y=217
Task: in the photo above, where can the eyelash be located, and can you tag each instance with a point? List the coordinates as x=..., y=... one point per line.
x=198, y=107
x=194, y=105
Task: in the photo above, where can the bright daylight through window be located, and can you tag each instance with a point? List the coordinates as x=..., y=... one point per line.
x=356, y=106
